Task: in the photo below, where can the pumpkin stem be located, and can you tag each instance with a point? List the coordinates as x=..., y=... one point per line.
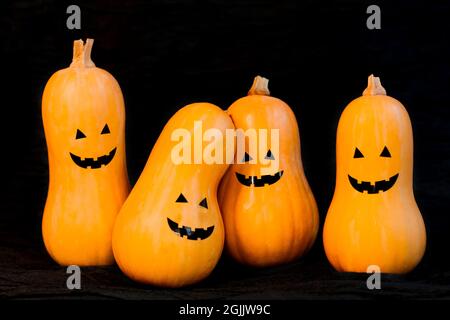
x=82, y=54
x=260, y=86
x=374, y=87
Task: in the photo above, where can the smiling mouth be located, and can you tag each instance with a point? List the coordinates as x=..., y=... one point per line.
x=259, y=182
x=373, y=188
x=93, y=163
x=190, y=233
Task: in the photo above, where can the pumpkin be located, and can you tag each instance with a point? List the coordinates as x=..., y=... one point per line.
x=373, y=218
x=269, y=212
x=169, y=232
x=84, y=123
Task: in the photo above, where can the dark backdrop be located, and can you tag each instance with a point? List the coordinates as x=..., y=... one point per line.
x=166, y=54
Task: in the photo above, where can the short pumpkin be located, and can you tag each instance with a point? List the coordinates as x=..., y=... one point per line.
x=170, y=232
x=373, y=218
x=270, y=214
x=84, y=122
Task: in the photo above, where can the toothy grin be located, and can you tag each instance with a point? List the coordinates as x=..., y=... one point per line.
x=259, y=182
x=93, y=163
x=373, y=188
x=190, y=233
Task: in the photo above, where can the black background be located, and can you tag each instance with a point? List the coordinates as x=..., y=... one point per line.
x=166, y=54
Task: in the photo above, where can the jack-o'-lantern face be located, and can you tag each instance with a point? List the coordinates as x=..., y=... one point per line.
x=191, y=232
x=372, y=187
x=260, y=180
x=92, y=161
x=371, y=158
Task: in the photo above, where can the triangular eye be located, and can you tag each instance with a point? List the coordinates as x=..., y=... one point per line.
x=357, y=154
x=385, y=153
x=269, y=155
x=203, y=203
x=181, y=198
x=80, y=135
x=105, y=129
x=247, y=157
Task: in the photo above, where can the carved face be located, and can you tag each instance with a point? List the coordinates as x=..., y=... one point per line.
x=257, y=180
x=372, y=187
x=96, y=161
x=190, y=232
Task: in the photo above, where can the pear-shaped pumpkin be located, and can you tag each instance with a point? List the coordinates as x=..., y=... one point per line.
x=269, y=211
x=373, y=218
x=170, y=232
x=84, y=122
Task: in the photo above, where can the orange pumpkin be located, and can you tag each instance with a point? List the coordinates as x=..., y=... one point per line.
x=169, y=231
x=269, y=213
x=373, y=218
x=84, y=122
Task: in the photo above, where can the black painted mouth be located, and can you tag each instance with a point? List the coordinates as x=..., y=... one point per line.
x=259, y=182
x=381, y=185
x=191, y=234
x=93, y=163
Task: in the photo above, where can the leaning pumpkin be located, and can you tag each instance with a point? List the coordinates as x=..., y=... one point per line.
x=170, y=232
x=84, y=122
x=373, y=218
x=269, y=211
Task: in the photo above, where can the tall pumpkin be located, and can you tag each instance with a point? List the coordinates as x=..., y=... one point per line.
x=373, y=218
x=169, y=231
x=270, y=215
x=84, y=122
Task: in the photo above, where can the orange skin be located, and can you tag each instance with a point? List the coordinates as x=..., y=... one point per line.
x=82, y=203
x=277, y=223
x=384, y=228
x=145, y=248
